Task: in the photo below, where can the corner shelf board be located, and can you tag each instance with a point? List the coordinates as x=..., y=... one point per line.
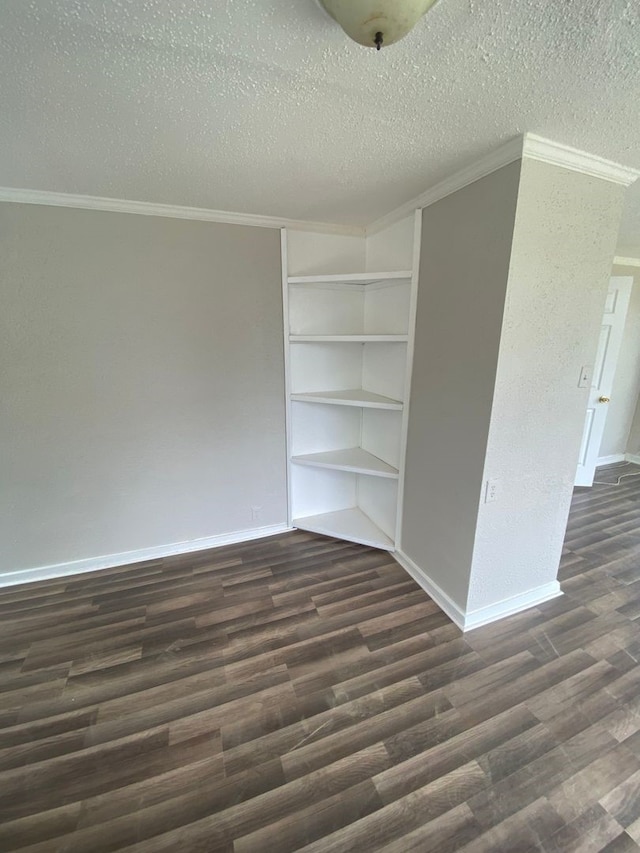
x=350, y=524
x=363, y=279
x=352, y=397
x=353, y=459
x=347, y=339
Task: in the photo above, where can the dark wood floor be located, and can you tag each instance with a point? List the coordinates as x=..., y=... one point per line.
x=303, y=693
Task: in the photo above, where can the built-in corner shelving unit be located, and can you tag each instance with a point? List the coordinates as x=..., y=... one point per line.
x=348, y=353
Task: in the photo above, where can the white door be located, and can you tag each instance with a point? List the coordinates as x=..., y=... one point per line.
x=604, y=369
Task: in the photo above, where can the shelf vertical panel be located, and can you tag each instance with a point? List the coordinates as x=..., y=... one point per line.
x=383, y=369
x=317, y=428
x=322, y=311
x=413, y=306
x=381, y=435
x=386, y=309
x=378, y=499
x=284, y=260
x=324, y=367
x=317, y=490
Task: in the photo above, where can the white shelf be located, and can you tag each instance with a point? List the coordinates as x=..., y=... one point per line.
x=351, y=459
x=346, y=339
x=356, y=278
x=352, y=397
x=350, y=524
x=346, y=332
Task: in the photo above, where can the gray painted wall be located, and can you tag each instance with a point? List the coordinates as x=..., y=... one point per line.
x=626, y=386
x=466, y=246
x=633, y=444
x=141, y=382
x=564, y=241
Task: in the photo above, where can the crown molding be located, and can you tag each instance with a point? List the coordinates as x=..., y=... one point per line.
x=496, y=159
x=620, y=261
x=528, y=145
x=556, y=154
x=172, y=211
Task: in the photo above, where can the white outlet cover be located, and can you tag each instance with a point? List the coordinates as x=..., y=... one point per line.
x=492, y=490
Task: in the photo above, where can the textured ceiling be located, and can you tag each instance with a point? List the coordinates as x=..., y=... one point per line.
x=264, y=106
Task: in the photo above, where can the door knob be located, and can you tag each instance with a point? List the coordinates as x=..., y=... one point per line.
x=604, y=399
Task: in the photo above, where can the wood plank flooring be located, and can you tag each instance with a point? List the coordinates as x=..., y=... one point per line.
x=302, y=693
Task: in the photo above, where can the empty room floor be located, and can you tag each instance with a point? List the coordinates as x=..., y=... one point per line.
x=302, y=693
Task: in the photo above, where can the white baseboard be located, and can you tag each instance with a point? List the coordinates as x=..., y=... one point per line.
x=485, y=615
x=611, y=459
x=633, y=457
x=510, y=606
x=444, y=602
x=94, y=564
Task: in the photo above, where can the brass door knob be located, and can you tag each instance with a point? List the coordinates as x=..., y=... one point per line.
x=604, y=399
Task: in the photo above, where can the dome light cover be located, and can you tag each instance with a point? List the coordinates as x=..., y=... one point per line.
x=377, y=23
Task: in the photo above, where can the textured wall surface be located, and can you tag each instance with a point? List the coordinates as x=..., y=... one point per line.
x=633, y=443
x=563, y=243
x=626, y=386
x=464, y=266
x=309, y=252
x=265, y=106
x=392, y=247
x=141, y=382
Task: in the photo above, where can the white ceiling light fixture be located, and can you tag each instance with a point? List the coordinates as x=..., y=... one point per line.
x=377, y=23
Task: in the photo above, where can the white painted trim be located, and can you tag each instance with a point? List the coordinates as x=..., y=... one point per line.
x=528, y=145
x=619, y=261
x=611, y=459
x=284, y=256
x=633, y=457
x=444, y=602
x=94, y=564
x=484, y=615
x=555, y=153
x=510, y=606
x=173, y=211
x=496, y=159
x=411, y=329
